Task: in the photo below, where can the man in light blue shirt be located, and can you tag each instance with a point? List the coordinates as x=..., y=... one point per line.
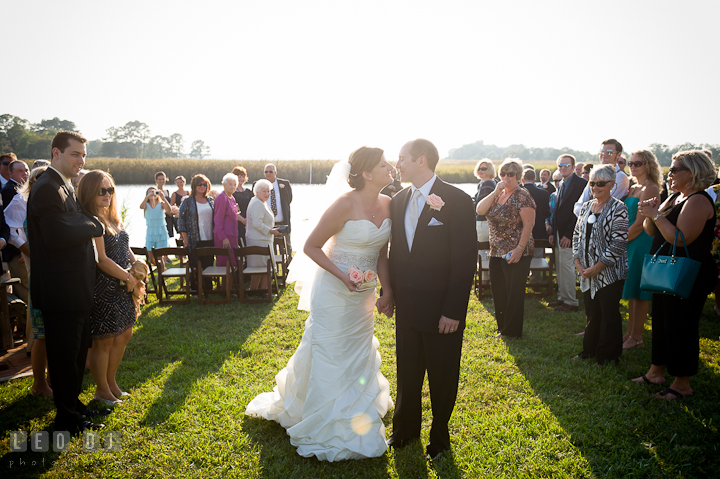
x=610, y=151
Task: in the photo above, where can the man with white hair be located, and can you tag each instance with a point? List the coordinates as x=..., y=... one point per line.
x=545, y=182
x=280, y=199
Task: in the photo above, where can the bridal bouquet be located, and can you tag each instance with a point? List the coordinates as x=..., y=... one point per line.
x=363, y=281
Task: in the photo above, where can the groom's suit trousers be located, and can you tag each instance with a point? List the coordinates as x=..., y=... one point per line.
x=439, y=354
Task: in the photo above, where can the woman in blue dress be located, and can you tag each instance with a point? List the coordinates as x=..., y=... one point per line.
x=155, y=206
x=645, y=170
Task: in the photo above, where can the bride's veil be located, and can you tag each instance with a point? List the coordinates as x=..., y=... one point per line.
x=302, y=269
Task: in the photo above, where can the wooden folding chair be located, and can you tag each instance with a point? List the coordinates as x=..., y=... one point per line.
x=151, y=267
x=267, y=270
x=182, y=272
x=6, y=327
x=544, y=267
x=223, y=273
x=482, y=290
x=282, y=259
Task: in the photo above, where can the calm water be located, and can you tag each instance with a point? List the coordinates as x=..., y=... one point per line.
x=307, y=202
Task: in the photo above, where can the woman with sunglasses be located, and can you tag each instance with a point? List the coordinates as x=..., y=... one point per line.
x=600, y=254
x=646, y=174
x=113, y=314
x=510, y=211
x=485, y=172
x=675, y=321
x=155, y=206
x=195, y=221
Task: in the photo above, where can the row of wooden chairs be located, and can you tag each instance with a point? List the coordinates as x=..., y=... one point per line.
x=216, y=280
x=543, y=267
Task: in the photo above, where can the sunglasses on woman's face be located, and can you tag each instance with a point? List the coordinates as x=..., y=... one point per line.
x=599, y=184
x=509, y=174
x=107, y=191
x=202, y=184
x=674, y=169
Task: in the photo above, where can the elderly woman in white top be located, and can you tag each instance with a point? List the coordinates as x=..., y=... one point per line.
x=600, y=252
x=260, y=228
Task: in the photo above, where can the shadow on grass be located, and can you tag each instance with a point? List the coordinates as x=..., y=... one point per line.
x=278, y=458
x=195, y=341
x=619, y=427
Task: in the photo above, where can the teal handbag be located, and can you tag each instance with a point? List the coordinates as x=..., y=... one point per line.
x=669, y=274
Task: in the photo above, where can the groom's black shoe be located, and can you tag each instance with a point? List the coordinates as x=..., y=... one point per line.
x=433, y=454
x=399, y=443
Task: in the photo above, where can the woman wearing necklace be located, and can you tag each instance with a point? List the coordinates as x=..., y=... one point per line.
x=600, y=251
x=675, y=321
x=645, y=171
x=510, y=212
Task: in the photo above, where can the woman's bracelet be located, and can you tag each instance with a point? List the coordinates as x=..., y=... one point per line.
x=521, y=246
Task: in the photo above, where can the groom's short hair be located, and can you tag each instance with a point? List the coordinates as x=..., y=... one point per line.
x=422, y=147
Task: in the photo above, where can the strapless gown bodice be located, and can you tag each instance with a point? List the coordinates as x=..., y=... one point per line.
x=331, y=397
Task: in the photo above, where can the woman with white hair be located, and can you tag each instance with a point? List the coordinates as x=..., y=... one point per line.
x=600, y=252
x=260, y=228
x=225, y=229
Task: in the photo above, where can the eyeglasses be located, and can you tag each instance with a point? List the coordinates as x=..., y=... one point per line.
x=510, y=174
x=557, y=181
x=635, y=164
x=483, y=168
x=269, y=171
x=609, y=152
x=5, y=163
x=202, y=184
x=674, y=169
x=564, y=165
x=599, y=184
x=105, y=191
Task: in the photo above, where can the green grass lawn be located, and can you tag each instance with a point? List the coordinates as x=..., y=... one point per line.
x=524, y=408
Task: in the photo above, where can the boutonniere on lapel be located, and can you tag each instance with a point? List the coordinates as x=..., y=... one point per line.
x=282, y=185
x=435, y=202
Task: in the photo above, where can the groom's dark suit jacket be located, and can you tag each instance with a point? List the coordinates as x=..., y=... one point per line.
x=60, y=238
x=435, y=278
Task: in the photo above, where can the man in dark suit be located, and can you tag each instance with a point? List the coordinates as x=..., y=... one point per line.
x=280, y=199
x=63, y=271
x=562, y=227
x=545, y=182
x=542, y=205
x=432, y=263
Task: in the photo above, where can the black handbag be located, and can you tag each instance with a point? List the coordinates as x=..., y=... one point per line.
x=669, y=274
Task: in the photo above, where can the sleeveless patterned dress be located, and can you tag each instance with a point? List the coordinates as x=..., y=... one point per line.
x=113, y=311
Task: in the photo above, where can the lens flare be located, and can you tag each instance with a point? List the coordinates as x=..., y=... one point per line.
x=362, y=381
x=361, y=424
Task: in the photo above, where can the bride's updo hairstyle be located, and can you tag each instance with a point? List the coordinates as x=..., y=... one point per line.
x=361, y=160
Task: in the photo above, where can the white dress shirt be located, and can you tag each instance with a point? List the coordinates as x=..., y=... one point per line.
x=421, y=199
x=15, y=215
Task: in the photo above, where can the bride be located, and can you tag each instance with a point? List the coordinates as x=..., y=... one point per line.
x=331, y=396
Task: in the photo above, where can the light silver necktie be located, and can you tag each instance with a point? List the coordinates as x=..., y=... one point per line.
x=413, y=211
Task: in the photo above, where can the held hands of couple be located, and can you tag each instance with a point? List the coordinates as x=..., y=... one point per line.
x=447, y=325
x=385, y=305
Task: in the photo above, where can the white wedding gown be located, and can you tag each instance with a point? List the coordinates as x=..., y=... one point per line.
x=331, y=396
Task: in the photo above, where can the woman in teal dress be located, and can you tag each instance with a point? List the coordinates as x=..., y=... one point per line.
x=645, y=170
x=155, y=206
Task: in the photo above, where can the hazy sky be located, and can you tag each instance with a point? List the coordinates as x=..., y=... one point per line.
x=301, y=79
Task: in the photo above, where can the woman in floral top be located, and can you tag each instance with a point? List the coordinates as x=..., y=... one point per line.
x=510, y=211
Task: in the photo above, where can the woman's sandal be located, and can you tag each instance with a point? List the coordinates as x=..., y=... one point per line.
x=675, y=393
x=647, y=381
x=638, y=342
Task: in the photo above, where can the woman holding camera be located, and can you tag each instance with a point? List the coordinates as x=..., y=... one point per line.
x=675, y=321
x=155, y=206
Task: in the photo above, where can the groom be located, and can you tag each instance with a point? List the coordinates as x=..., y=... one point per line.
x=432, y=263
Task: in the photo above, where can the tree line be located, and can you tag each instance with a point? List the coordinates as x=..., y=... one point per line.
x=479, y=150
x=132, y=140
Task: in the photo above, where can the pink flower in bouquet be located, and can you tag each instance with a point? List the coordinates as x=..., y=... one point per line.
x=369, y=276
x=435, y=202
x=356, y=276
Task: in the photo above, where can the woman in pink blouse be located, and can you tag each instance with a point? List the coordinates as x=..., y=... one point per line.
x=510, y=211
x=225, y=232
